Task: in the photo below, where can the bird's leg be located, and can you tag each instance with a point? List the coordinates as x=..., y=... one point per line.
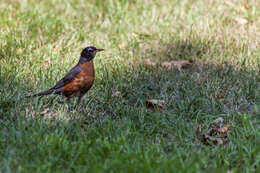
x=79, y=99
x=69, y=105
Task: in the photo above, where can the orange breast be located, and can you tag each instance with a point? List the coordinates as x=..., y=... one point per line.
x=82, y=82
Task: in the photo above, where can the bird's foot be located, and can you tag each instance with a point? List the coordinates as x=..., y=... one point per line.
x=69, y=107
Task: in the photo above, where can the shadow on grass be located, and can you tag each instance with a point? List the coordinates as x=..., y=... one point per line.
x=201, y=90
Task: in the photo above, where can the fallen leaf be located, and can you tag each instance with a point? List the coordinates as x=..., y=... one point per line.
x=149, y=62
x=209, y=139
x=217, y=134
x=182, y=64
x=224, y=129
x=116, y=94
x=241, y=21
x=244, y=7
x=154, y=105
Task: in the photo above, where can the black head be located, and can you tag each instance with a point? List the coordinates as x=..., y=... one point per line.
x=89, y=53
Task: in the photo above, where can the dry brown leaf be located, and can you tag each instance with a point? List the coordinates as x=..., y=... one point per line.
x=154, y=105
x=209, y=139
x=201, y=80
x=116, y=94
x=245, y=7
x=241, y=21
x=224, y=129
x=217, y=134
x=182, y=64
x=149, y=62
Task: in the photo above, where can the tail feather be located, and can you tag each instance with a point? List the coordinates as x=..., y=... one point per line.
x=47, y=92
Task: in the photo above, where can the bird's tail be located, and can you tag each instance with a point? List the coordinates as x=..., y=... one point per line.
x=43, y=93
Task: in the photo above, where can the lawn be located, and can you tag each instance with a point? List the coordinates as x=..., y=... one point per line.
x=211, y=119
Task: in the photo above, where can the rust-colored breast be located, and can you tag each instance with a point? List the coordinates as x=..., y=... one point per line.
x=82, y=82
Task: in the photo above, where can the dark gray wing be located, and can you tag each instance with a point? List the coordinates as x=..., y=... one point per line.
x=68, y=77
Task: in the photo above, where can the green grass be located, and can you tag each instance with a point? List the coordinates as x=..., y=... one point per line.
x=41, y=40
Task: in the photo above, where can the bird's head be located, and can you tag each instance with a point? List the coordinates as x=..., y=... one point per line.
x=89, y=53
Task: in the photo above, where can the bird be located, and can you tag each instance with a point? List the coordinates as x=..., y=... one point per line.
x=78, y=80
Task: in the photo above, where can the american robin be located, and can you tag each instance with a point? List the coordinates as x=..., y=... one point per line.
x=78, y=80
